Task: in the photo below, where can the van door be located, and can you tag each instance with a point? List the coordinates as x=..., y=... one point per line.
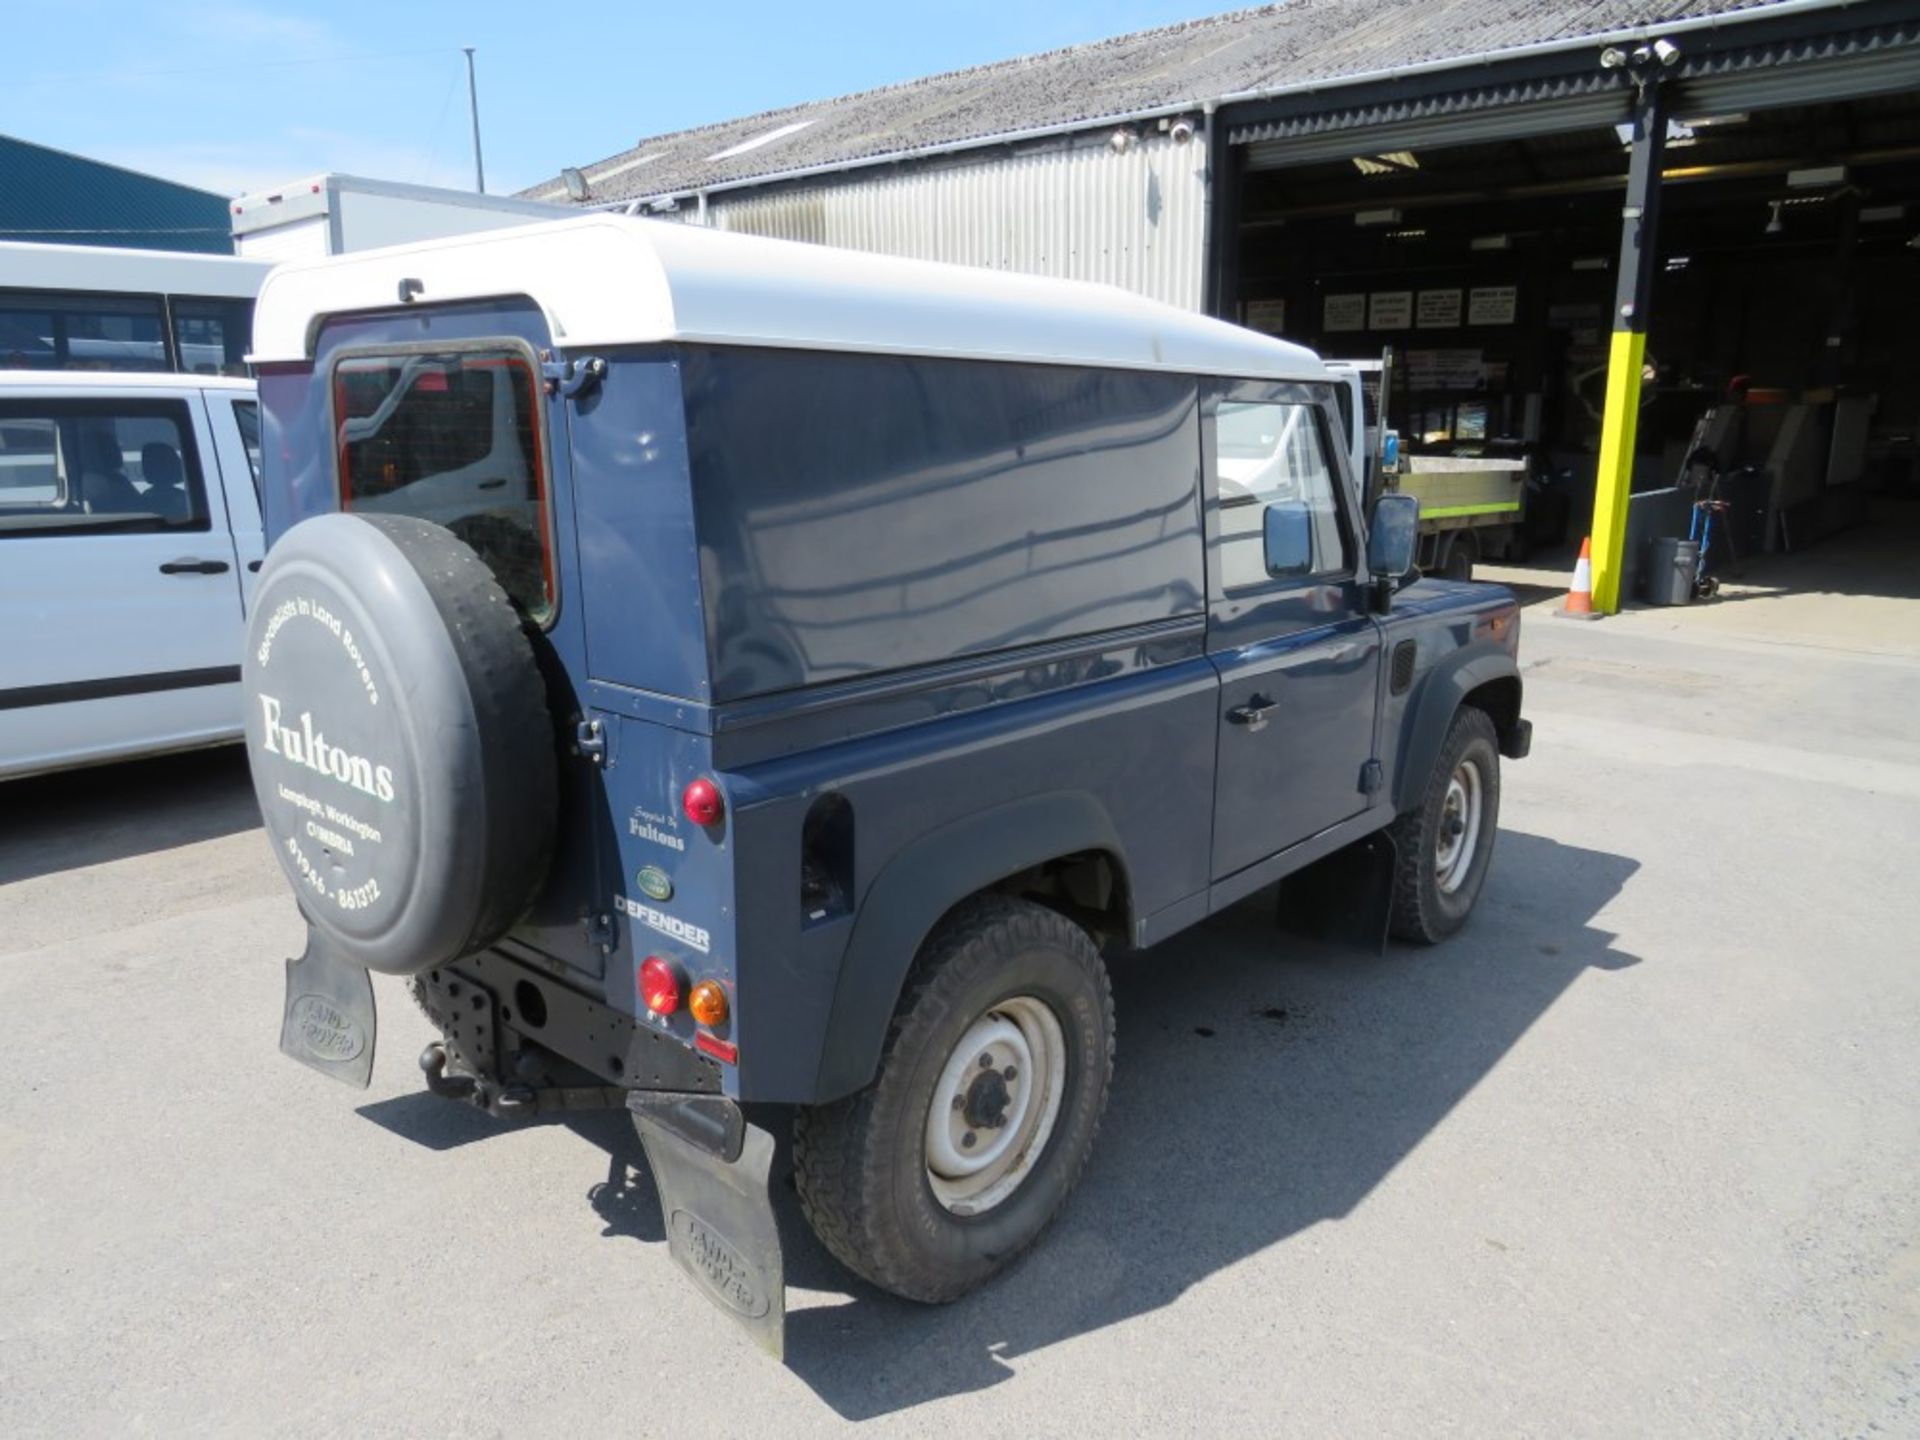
x=118, y=589
x=1298, y=652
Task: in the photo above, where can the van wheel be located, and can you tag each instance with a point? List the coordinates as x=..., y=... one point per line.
x=991, y=1087
x=1446, y=841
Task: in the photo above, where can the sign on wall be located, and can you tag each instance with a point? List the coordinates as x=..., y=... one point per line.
x=1445, y=369
x=1437, y=310
x=1492, y=305
x=1344, y=312
x=1390, y=310
x=1269, y=317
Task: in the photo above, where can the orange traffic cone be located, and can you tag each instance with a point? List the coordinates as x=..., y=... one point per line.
x=1579, y=604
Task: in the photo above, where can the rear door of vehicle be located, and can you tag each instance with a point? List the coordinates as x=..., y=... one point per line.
x=119, y=592
x=1298, y=653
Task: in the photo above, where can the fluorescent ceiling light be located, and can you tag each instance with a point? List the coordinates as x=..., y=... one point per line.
x=1883, y=212
x=1406, y=234
x=1490, y=242
x=1378, y=217
x=757, y=141
x=1390, y=163
x=1817, y=177
x=1591, y=262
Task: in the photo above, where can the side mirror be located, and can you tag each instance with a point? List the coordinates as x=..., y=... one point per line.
x=1392, y=540
x=1289, y=538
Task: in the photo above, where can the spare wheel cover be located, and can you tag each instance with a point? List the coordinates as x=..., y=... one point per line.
x=399, y=740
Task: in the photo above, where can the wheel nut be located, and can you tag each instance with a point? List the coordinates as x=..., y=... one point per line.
x=959, y=1102
x=1010, y=1074
x=966, y=1140
x=986, y=1062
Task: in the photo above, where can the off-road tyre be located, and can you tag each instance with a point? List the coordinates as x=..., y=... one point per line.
x=1422, y=911
x=860, y=1163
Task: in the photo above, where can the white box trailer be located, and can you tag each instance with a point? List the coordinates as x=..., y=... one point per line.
x=330, y=214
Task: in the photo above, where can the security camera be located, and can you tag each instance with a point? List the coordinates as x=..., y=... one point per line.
x=1666, y=52
x=1122, y=140
x=1181, y=131
x=1612, y=58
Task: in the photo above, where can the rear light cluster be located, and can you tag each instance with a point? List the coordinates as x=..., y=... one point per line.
x=663, y=990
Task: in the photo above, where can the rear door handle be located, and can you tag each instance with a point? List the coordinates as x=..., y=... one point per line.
x=194, y=567
x=1254, y=713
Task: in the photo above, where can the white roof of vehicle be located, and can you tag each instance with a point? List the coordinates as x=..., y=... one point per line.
x=28, y=265
x=119, y=380
x=608, y=280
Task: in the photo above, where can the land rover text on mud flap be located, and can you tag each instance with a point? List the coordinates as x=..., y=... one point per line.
x=713, y=670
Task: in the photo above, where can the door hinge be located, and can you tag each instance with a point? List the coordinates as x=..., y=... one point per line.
x=1372, y=777
x=590, y=742
x=569, y=378
x=599, y=930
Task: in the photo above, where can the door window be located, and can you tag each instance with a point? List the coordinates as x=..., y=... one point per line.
x=453, y=438
x=106, y=466
x=246, y=415
x=1268, y=453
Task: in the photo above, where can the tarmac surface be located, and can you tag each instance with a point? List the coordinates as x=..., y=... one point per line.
x=1635, y=1154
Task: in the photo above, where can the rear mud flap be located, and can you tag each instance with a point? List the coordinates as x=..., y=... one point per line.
x=328, y=1020
x=719, y=1212
x=1346, y=898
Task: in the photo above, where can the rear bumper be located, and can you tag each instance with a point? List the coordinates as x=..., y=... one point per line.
x=1517, y=742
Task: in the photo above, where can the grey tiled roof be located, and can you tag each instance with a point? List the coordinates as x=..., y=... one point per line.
x=1299, y=43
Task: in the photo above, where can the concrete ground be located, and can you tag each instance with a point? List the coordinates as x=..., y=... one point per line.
x=1636, y=1154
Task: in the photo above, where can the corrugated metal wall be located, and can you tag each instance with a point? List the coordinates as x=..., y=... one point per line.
x=1135, y=218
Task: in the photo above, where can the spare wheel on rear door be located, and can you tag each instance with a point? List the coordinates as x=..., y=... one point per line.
x=400, y=740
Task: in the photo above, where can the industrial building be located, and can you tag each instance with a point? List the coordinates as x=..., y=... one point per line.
x=52, y=197
x=1608, y=236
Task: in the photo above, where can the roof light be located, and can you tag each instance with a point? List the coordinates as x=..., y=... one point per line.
x=660, y=985
x=577, y=187
x=702, y=803
x=780, y=133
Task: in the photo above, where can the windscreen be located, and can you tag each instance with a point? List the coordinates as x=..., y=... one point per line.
x=454, y=438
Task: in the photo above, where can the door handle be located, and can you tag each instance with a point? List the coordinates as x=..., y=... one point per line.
x=1254, y=713
x=194, y=567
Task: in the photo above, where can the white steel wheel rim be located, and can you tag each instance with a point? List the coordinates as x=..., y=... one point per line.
x=989, y=1123
x=1460, y=820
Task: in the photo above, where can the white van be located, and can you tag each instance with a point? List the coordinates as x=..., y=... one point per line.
x=129, y=540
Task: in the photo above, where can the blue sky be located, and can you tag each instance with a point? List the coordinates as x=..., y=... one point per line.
x=238, y=94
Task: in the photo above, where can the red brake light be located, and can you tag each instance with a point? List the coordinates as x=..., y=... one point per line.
x=701, y=800
x=659, y=985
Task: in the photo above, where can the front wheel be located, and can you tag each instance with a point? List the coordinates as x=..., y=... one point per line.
x=1446, y=841
x=991, y=1087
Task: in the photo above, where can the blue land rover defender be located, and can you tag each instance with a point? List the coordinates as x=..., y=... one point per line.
x=713, y=671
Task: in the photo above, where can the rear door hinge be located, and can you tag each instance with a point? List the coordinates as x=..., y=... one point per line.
x=1372, y=777
x=590, y=742
x=600, y=932
x=572, y=377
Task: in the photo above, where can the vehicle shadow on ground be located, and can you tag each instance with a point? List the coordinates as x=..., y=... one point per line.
x=114, y=812
x=1264, y=1084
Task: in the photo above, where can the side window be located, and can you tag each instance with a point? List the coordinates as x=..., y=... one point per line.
x=246, y=414
x=70, y=466
x=212, y=335
x=1268, y=454
x=44, y=330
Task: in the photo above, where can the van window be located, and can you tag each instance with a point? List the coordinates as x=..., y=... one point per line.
x=108, y=466
x=454, y=438
x=1268, y=451
x=59, y=330
x=212, y=335
x=864, y=513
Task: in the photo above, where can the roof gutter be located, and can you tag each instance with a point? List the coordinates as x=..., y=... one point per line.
x=1601, y=39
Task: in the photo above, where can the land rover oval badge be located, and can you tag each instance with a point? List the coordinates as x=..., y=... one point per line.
x=654, y=884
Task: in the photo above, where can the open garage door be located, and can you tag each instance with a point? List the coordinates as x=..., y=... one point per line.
x=1478, y=234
